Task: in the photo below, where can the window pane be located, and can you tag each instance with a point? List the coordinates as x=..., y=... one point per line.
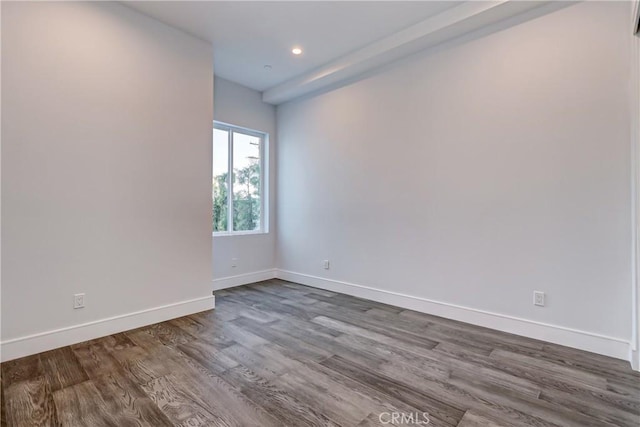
x=246, y=182
x=220, y=182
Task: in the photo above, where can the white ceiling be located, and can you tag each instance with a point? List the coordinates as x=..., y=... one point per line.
x=246, y=36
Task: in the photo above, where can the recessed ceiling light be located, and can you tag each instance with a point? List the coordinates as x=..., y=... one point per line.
x=296, y=51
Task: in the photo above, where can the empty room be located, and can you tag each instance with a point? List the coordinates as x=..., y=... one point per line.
x=320, y=213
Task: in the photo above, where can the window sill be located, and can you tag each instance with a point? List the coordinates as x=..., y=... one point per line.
x=238, y=233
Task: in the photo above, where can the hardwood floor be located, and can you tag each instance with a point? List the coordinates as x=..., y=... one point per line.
x=280, y=354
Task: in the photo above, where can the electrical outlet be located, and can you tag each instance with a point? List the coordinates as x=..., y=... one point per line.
x=325, y=264
x=78, y=301
x=538, y=298
x=234, y=262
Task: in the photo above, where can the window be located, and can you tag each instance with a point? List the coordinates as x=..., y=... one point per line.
x=238, y=164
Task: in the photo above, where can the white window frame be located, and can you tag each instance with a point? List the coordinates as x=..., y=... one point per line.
x=264, y=138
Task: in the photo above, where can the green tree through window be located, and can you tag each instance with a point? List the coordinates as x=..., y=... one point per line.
x=246, y=202
x=220, y=196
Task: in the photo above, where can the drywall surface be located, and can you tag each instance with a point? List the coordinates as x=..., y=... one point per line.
x=106, y=165
x=255, y=253
x=475, y=175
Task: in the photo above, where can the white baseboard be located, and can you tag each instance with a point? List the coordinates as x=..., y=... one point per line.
x=37, y=343
x=243, y=279
x=608, y=346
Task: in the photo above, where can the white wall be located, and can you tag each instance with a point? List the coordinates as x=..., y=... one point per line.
x=106, y=171
x=255, y=253
x=474, y=176
x=634, y=95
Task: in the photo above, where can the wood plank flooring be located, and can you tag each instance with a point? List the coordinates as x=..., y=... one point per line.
x=277, y=353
